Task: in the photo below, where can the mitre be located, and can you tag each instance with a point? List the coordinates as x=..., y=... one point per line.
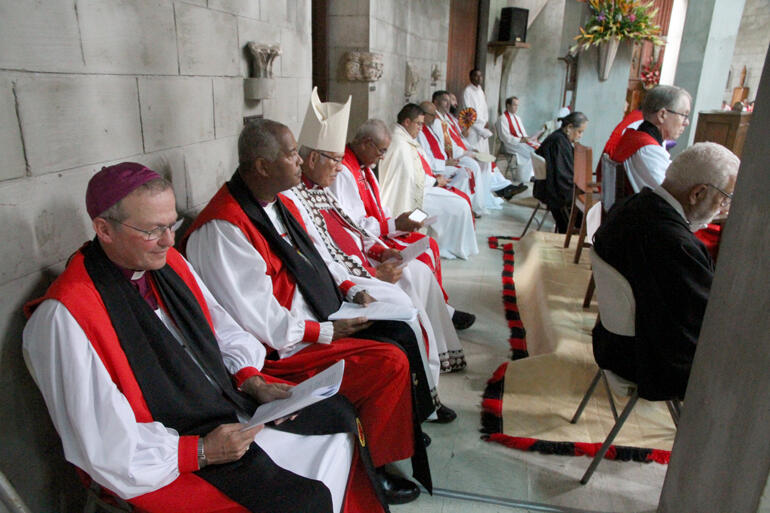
x=326, y=125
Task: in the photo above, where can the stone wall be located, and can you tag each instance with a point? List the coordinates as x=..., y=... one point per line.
x=750, y=47
x=93, y=82
x=402, y=31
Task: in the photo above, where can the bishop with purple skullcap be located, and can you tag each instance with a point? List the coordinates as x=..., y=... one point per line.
x=114, y=183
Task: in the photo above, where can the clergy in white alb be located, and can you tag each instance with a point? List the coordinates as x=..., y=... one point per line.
x=408, y=183
x=474, y=97
x=148, y=379
x=514, y=138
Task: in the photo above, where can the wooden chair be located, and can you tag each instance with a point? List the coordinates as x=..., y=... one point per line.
x=617, y=310
x=584, y=195
x=613, y=189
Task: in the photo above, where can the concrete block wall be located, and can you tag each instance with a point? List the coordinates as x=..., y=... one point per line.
x=750, y=47
x=88, y=83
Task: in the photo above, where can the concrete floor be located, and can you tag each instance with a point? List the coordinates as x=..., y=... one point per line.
x=461, y=461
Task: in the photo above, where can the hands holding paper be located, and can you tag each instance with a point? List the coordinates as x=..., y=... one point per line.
x=347, y=327
x=390, y=268
x=404, y=224
x=227, y=442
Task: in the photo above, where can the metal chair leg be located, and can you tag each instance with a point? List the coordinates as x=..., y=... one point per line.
x=587, y=396
x=542, y=219
x=674, y=408
x=609, y=395
x=608, y=442
x=589, y=292
x=530, y=221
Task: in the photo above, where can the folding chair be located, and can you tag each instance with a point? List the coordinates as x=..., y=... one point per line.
x=617, y=309
x=10, y=499
x=538, y=165
x=583, y=197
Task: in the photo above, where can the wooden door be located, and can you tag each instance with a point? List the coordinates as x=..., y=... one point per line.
x=320, y=46
x=461, y=50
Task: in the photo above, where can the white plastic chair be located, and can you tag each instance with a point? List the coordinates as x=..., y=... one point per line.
x=617, y=310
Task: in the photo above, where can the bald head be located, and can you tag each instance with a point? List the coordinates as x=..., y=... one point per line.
x=428, y=108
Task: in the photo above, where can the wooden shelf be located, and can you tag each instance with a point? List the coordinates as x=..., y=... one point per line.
x=499, y=47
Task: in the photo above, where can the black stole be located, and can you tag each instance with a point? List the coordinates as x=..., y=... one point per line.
x=195, y=398
x=311, y=274
x=650, y=129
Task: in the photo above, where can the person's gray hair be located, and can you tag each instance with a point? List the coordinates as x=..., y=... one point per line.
x=374, y=129
x=259, y=139
x=663, y=97
x=701, y=163
x=118, y=214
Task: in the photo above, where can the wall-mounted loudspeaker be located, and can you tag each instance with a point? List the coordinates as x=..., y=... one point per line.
x=513, y=24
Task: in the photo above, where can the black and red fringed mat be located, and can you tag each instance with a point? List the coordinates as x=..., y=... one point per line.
x=517, y=339
x=493, y=431
x=529, y=401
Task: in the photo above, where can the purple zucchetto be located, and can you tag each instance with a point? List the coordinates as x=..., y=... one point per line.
x=114, y=183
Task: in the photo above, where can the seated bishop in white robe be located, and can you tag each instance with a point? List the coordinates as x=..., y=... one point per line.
x=406, y=186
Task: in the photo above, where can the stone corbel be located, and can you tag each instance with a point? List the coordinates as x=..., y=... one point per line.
x=435, y=74
x=363, y=66
x=412, y=80
x=261, y=85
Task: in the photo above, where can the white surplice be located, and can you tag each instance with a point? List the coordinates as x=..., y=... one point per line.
x=406, y=186
x=647, y=167
x=99, y=431
x=512, y=143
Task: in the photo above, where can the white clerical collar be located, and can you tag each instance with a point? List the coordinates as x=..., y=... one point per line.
x=137, y=275
x=663, y=193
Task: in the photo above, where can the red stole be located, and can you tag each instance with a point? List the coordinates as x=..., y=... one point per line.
x=426, y=168
x=435, y=147
x=617, y=133
x=370, y=195
x=224, y=208
x=516, y=131
x=74, y=289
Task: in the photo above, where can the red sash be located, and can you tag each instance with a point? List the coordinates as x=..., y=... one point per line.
x=454, y=132
x=426, y=168
x=425, y=165
x=516, y=131
x=435, y=147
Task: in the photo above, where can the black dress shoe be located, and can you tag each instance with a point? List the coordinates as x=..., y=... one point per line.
x=506, y=193
x=426, y=440
x=444, y=415
x=518, y=189
x=397, y=489
x=463, y=320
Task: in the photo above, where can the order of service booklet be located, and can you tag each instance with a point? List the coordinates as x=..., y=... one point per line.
x=321, y=386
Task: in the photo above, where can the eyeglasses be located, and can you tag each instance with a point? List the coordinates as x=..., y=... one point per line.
x=157, y=232
x=728, y=198
x=685, y=117
x=380, y=151
x=336, y=160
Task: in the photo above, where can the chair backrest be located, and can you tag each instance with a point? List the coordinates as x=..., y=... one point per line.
x=538, y=165
x=593, y=220
x=614, y=186
x=583, y=173
x=617, y=307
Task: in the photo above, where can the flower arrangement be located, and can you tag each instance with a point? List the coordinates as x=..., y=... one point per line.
x=467, y=117
x=650, y=75
x=621, y=19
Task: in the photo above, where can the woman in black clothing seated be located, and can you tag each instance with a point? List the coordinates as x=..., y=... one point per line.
x=557, y=150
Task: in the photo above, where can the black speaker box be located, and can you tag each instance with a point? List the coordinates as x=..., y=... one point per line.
x=513, y=24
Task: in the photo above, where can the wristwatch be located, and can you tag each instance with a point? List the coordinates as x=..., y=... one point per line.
x=201, y=454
